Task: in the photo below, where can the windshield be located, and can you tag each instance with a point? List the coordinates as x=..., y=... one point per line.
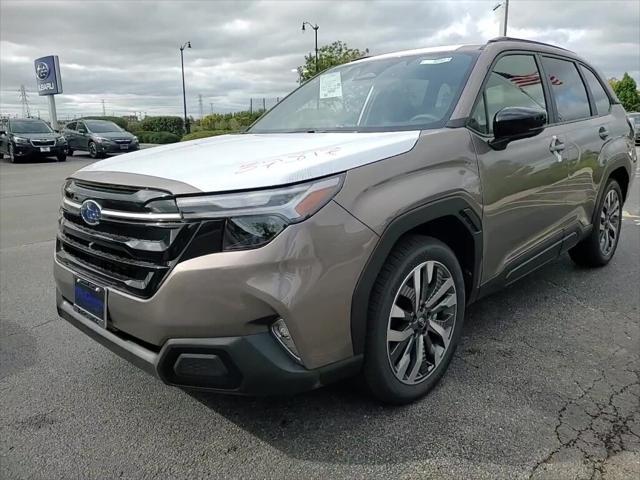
x=29, y=126
x=102, y=126
x=393, y=93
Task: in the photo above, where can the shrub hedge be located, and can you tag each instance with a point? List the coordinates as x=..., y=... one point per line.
x=204, y=134
x=157, y=137
x=174, y=125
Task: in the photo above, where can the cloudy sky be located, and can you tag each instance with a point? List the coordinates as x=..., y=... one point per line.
x=126, y=52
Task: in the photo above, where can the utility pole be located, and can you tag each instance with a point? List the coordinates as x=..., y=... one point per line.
x=104, y=113
x=24, y=101
x=211, y=106
x=315, y=29
x=504, y=19
x=200, y=105
x=184, y=93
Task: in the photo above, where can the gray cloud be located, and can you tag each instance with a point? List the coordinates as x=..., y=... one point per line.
x=127, y=52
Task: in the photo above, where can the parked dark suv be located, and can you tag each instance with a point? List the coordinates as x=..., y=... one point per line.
x=31, y=137
x=347, y=231
x=99, y=137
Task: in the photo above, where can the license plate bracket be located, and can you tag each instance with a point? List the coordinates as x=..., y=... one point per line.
x=45, y=149
x=124, y=147
x=91, y=300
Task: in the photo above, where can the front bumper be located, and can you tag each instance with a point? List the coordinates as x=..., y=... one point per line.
x=247, y=365
x=111, y=147
x=28, y=150
x=305, y=276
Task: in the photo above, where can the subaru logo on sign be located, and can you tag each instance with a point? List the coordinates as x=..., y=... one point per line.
x=42, y=70
x=90, y=211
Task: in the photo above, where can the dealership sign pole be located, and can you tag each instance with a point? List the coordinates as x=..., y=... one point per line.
x=49, y=83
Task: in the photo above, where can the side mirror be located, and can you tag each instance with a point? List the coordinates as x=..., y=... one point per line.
x=2, y=132
x=514, y=123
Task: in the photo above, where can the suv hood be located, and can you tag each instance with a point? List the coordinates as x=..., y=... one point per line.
x=38, y=136
x=247, y=161
x=113, y=135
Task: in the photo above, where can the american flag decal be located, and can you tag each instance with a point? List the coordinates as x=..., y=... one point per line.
x=555, y=80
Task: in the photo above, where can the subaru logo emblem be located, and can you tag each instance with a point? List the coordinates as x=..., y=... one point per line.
x=42, y=70
x=90, y=211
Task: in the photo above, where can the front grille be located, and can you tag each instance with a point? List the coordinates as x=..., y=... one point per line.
x=139, y=239
x=43, y=143
x=122, y=141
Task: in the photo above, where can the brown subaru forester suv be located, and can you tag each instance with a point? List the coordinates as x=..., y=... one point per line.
x=347, y=230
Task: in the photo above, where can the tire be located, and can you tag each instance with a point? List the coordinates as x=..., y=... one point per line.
x=392, y=317
x=69, y=152
x=62, y=157
x=594, y=251
x=93, y=150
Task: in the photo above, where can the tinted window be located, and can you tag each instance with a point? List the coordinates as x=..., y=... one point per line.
x=29, y=126
x=599, y=95
x=102, y=126
x=71, y=126
x=395, y=92
x=513, y=82
x=567, y=88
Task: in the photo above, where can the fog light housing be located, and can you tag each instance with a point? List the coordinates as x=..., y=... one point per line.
x=281, y=332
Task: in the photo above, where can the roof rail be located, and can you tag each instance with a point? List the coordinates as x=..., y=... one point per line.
x=513, y=39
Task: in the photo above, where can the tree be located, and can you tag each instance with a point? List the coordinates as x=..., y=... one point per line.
x=328, y=56
x=627, y=92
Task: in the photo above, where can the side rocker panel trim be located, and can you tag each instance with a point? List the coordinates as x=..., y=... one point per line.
x=455, y=206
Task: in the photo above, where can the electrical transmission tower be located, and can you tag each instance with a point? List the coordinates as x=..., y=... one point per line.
x=200, y=105
x=24, y=100
x=104, y=112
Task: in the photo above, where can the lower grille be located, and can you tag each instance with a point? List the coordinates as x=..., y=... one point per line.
x=130, y=253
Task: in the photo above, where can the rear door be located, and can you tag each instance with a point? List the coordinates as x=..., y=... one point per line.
x=524, y=207
x=583, y=107
x=69, y=134
x=82, y=136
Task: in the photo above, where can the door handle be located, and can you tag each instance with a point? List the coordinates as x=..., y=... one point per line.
x=556, y=147
x=603, y=132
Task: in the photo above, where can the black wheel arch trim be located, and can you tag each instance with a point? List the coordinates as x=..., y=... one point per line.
x=456, y=206
x=612, y=167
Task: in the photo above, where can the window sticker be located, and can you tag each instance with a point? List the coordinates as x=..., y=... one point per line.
x=331, y=85
x=435, y=61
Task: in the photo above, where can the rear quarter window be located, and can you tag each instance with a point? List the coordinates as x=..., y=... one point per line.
x=567, y=89
x=600, y=97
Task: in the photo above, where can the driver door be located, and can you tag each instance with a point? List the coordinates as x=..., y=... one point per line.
x=82, y=136
x=523, y=185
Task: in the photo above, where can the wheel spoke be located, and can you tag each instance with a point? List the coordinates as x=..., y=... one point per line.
x=448, y=301
x=419, y=354
x=397, y=312
x=398, y=335
x=403, y=364
x=444, y=288
x=439, y=330
x=417, y=287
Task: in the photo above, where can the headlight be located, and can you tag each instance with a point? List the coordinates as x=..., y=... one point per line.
x=135, y=139
x=62, y=140
x=101, y=139
x=20, y=140
x=255, y=218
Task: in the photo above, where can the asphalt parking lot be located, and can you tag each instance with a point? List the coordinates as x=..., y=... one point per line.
x=545, y=384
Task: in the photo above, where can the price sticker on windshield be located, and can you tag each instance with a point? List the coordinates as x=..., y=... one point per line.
x=331, y=85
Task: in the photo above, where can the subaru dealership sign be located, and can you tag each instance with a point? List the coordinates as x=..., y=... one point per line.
x=48, y=75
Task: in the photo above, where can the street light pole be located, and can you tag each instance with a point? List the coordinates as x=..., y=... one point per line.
x=315, y=29
x=505, y=18
x=184, y=93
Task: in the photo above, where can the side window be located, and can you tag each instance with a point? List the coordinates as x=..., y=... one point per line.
x=567, y=89
x=513, y=82
x=71, y=126
x=600, y=97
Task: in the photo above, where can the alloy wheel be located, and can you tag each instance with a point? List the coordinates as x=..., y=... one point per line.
x=421, y=322
x=92, y=150
x=610, y=222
